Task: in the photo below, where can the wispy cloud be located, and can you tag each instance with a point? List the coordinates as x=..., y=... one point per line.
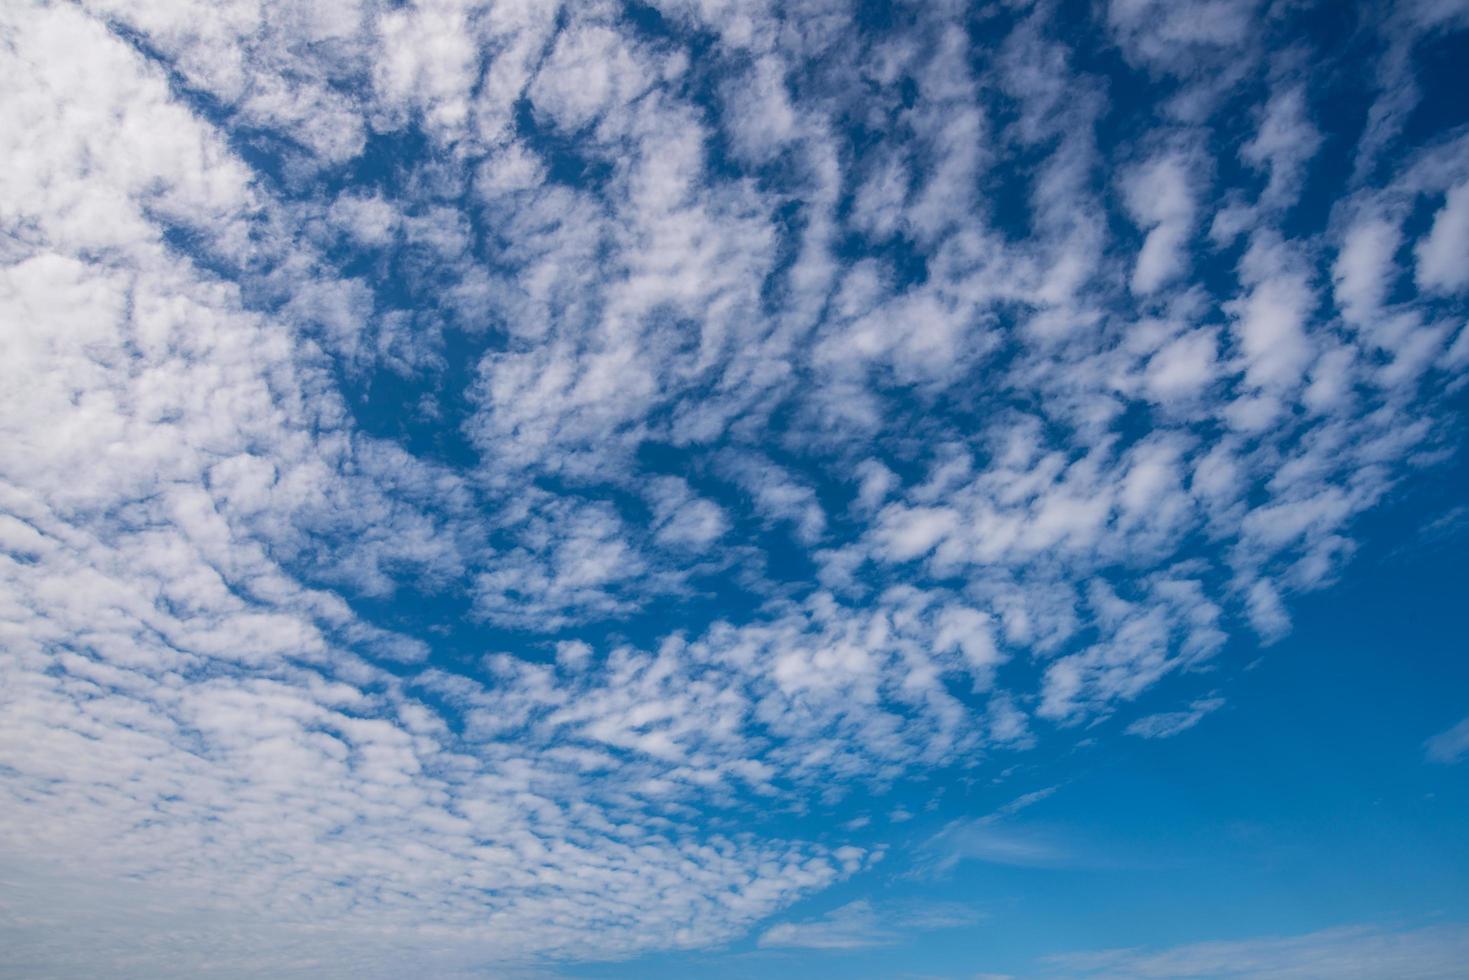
x=1449, y=746
x=997, y=838
x=861, y=925
x=1365, y=952
x=1170, y=723
x=991, y=843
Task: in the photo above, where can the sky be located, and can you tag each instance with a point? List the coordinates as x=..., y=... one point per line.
x=734, y=488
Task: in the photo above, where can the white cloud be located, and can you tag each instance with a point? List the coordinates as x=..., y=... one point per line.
x=1185, y=368
x=1356, y=952
x=1161, y=201
x=681, y=518
x=992, y=843
x=1443, y=257
x=777, y=495
x=1167, y=724
x=759, y=106
x=1167, y=33
x=863, y=925
x=1284, y=143
x=854, y=926
x=428, y=61
x=1363, y=272
x=1270, y=323
x=910, y=532
x=590, y=70
x=1266, y=611
x=251, y=251
x=1027, y=800
x=1449, y=746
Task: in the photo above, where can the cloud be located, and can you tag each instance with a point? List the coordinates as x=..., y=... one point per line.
x=1449, y=746
x=853, y=926
x=1026, y=800
x=1285, y=141
x=1160, y=199
x=1363, y=271
x=1167, y=724
x=861, y=925
x=1444, y=255
x=1001, y=845
x=1428, y=953
x=996, y=839
x=458, y=462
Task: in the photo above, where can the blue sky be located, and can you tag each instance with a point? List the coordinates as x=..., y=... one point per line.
x=734, y=489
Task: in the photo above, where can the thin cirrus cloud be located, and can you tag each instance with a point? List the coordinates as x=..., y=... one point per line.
x=1167, y=724
x=464, y=467
x=1431, y=953
x=859, y=925
x=1449, y=746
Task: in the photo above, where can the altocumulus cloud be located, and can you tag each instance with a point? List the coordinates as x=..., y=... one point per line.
x=781, y=402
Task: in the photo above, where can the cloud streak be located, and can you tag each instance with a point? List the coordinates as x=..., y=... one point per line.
x=1427, y=953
